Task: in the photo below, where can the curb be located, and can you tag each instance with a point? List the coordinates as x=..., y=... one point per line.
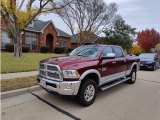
x=17, y=92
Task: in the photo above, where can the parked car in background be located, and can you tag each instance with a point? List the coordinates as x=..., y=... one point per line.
x=149, y=61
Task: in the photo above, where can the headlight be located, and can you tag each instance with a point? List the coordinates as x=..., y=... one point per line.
x=70, y=74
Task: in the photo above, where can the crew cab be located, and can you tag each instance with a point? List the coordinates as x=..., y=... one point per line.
x=86, y=70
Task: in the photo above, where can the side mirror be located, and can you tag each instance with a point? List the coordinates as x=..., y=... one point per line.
x=109, y=56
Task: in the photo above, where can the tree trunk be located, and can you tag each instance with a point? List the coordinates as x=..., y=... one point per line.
x=18, y=46
x=17, y=50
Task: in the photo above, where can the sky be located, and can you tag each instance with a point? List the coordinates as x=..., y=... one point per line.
x=140, y=14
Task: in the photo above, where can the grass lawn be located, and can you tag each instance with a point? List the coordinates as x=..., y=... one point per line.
x=28, y=62
x=17, y=83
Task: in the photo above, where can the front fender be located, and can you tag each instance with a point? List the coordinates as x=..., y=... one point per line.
x=88, y=72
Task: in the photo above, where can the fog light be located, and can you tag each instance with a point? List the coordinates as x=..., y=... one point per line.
x=68, y=86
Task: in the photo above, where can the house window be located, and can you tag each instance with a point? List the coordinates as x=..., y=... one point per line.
x=31, y=40
x=62, y=44
x=5, y=39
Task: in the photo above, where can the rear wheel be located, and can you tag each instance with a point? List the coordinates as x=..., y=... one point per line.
x=133, y=76
x=158, y=66
x=87, y=92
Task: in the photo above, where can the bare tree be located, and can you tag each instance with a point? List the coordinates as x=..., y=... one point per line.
x=87, y=16
x=10, y=9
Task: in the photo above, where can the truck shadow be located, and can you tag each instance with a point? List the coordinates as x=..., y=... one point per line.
x=112, y=90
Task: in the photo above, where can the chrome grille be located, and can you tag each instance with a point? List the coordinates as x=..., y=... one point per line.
x=50, y=71
x=52, y=68
x=42, y=73
x=53, y=75
x=42, y=66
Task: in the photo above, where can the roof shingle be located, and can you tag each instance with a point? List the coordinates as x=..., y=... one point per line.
x=40, y=25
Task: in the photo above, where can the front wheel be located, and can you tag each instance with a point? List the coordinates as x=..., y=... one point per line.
x=87, y=92
x=133, y=76
x=154, y=67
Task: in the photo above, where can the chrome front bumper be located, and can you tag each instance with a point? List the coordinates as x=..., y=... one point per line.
x=62, y=88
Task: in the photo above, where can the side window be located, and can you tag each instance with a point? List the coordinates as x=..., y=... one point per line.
x=106, y=50
x=118, y=52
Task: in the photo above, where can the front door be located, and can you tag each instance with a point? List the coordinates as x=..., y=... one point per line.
x=49, y=42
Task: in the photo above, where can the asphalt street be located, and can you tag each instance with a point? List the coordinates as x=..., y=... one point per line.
x=140, y=101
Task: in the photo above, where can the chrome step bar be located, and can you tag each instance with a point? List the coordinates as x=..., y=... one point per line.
x=111, y=84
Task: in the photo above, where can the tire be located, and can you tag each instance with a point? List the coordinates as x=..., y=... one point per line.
x=158, y=66
x=87, y=92
x=154, y=67
x=133, y=76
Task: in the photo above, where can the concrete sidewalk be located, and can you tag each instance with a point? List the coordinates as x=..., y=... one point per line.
x=18, y=75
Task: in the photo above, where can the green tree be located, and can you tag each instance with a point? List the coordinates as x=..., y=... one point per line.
x=21, y=13
x=120, y=34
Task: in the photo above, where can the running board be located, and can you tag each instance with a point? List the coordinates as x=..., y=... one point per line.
x=111, y=84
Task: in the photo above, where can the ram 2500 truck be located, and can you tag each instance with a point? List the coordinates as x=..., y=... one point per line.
x=87, y=69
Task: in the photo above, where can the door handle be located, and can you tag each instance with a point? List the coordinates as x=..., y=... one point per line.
x=114, y=62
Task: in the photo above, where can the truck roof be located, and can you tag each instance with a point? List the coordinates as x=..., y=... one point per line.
x=102, y=45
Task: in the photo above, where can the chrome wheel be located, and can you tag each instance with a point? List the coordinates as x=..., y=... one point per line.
x=89, y=92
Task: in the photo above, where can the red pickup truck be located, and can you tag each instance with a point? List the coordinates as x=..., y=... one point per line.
x=87, y=69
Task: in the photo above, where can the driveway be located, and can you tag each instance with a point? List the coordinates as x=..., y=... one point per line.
x=140, y=101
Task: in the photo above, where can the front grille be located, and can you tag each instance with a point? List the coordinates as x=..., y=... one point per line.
x=53, y=75
x=42, y=66
x=50, y=71
x=42, y=73
x=52, y=68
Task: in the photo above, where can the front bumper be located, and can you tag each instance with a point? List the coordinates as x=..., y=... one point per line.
x=62, y=88
x=146, y=66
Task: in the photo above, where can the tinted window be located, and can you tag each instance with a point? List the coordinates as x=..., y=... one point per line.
x=118, y=52
x=106, y=50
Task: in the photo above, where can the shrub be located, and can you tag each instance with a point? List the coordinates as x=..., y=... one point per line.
x=59, y=50
x=135, y=50
x=69, y=50
x=25, y=49
x=9, y=47
x=44, y=49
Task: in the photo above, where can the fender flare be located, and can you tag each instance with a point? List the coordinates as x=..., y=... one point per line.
x=134, y=64
x=88, y=72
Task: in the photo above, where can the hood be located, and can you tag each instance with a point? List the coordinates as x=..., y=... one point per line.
x=146, y=61
x=75, y=62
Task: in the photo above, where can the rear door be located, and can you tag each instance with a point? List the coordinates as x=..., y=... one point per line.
x=121, y=62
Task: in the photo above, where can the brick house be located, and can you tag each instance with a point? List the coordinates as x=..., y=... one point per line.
x=4, y=39
x=93, y=40
x=41, y=33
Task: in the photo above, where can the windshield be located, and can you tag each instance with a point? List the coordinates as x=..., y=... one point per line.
x=85, y=51
x=146, y=57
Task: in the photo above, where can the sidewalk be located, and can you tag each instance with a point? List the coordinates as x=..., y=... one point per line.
x=18, y=75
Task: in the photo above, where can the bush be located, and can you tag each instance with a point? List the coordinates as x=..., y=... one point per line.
x=44, y=49
x=59, y=50
x=9, y=47
x=69, y=50
x=136, y=50
x=25, y=49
